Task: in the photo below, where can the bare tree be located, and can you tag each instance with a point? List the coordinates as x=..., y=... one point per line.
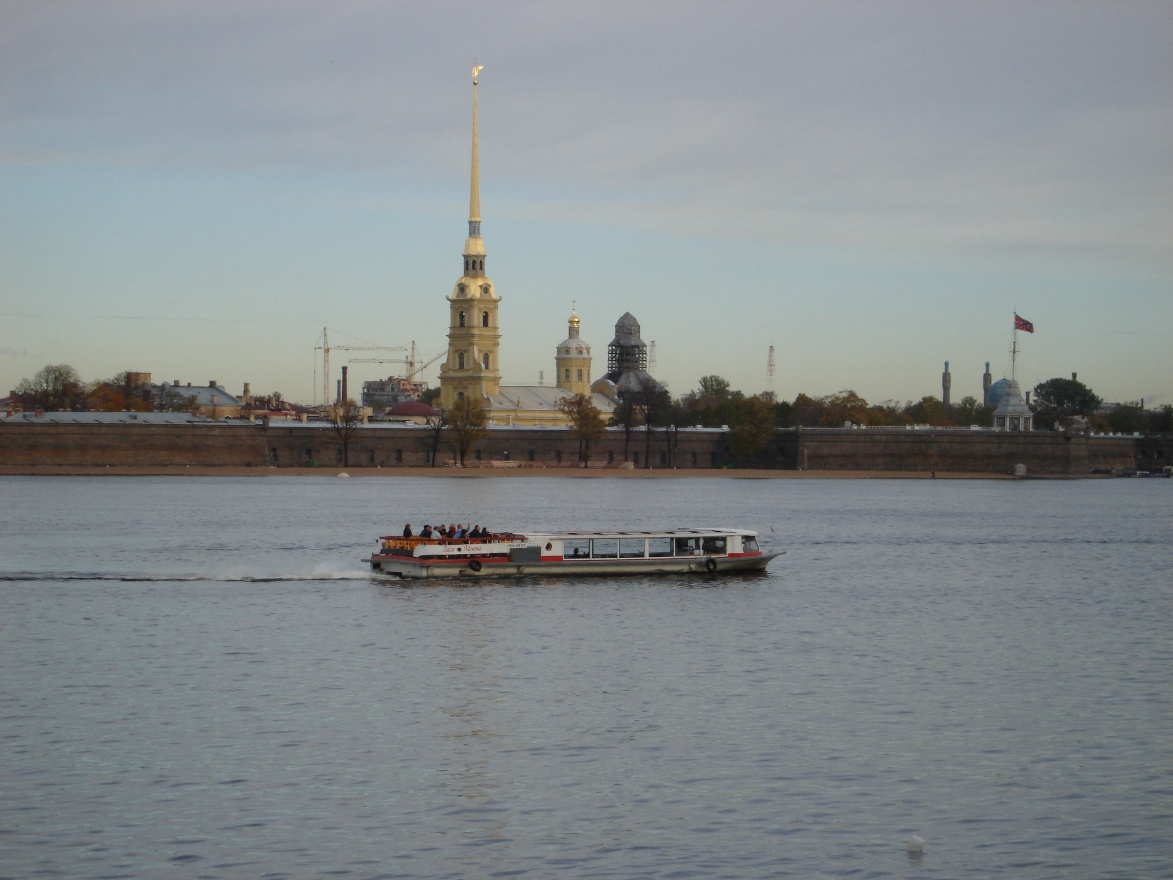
x=586, y=423
x=435, y=433
x=468, y=424
x=346, y=420
x=55, y=388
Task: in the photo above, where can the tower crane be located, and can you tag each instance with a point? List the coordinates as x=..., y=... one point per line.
x=326, y=348
x=411, y=364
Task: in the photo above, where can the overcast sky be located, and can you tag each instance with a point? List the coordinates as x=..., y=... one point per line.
x=196, y=189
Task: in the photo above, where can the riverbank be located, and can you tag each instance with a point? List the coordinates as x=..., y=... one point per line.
x=474, y=473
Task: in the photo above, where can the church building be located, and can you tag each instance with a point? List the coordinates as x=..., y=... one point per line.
x=472, y=368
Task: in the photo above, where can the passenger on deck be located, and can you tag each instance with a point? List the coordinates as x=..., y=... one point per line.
x=460, y=531
x=426, y=532
x=476, y=531
x=407, y=530
x=451, y=531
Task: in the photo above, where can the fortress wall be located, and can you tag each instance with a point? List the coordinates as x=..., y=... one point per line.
x=958, y=451
x=298, y=445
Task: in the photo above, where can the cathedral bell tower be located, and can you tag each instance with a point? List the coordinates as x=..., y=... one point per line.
x=572, y=361
x=474, y=340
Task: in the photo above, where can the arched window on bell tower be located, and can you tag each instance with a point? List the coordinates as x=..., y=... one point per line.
x=485, y=360
x=460, y=360
x=484, y=319
x=461, y=320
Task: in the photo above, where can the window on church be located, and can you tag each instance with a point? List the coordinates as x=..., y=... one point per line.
x=460, y=361
x=567, y=379
x=485, y=360
x=484, y=319
x=461, y=320
x=580, y=375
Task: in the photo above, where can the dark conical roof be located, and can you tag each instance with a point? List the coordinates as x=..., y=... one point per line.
x=627, y=331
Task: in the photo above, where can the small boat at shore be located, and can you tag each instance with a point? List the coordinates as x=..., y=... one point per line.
x=681, y=551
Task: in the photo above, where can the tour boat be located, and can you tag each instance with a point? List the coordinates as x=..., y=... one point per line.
x=711, y=551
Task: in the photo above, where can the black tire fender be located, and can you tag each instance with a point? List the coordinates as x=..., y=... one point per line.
x=474, y=565
x=710, y=565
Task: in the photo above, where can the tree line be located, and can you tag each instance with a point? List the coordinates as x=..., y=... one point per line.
x=1059, y=404
x=59, y=388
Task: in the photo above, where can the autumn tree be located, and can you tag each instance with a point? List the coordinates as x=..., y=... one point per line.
x=805, y=412
x=970, y=411
x=750, y=428
x=346, y=420
x=586, y=423
x=468, y=424
x=125, y=392
x=927, y=411
x=1061, y=398
x=845, y=406
x=55, y=388
x=713, y=402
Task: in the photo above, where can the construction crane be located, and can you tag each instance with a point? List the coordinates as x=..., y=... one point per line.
x=411, y=364
x=326, y=348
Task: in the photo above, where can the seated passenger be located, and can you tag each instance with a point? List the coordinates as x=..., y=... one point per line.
x=476, y=531
x=459, y=532
x=407, y=530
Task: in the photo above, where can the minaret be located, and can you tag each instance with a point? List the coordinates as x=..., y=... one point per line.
x=572, y=361
x=987, y=381
x=946, y=385
x=474, y=340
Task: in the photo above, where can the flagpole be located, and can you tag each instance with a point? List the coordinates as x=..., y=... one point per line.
x=1014, y=352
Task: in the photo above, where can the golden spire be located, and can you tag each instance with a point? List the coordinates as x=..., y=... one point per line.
x=474, y=199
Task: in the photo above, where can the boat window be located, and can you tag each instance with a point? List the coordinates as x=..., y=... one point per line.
x=604, y=548
x=714, y=545
x=631, y=548
x=749, y=545
x=688, y=546
x=659, y=546
x=576, y=548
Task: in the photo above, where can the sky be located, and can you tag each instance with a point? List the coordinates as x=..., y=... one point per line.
x=196, y=190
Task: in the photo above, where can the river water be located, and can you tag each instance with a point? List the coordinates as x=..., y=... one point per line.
x=199, y=678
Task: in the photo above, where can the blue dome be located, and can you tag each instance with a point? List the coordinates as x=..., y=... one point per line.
x=997, y=392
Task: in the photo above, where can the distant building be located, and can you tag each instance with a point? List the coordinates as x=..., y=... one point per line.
x=383, y=394
x=627, y=360
x=946, y=385
x=210, y=400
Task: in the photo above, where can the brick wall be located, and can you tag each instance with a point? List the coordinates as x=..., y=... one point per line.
x=299, y=445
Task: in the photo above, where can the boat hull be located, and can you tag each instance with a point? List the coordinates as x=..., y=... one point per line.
x=411, y=567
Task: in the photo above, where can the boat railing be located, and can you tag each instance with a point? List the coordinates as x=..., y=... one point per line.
x=406, y=546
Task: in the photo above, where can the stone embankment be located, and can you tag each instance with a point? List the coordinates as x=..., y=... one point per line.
x=40, y=444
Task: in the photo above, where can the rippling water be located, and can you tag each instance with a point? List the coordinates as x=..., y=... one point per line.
x=200, y=679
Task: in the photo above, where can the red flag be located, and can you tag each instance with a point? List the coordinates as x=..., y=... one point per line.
x=1023, y=324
